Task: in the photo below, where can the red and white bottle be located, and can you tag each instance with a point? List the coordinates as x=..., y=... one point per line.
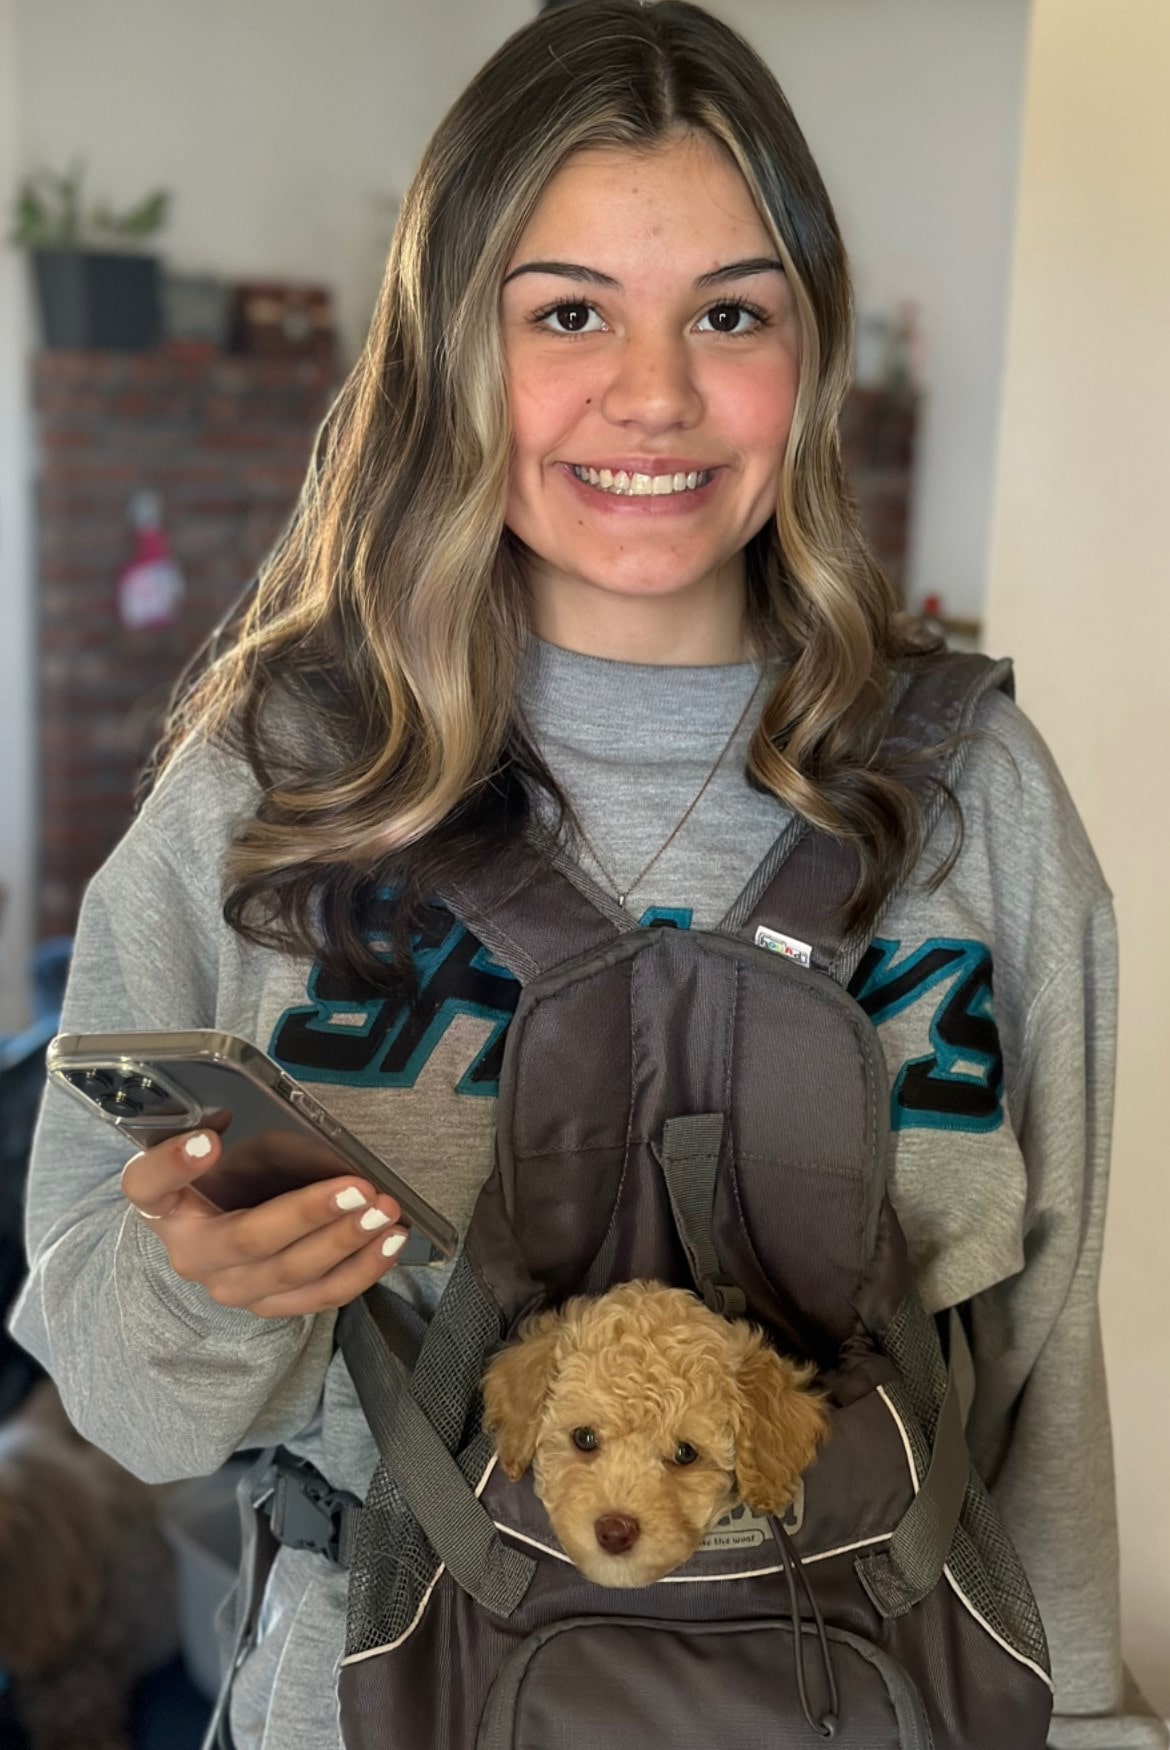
x=150, y=587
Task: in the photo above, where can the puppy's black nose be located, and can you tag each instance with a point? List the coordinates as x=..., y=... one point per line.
x=616, y=1533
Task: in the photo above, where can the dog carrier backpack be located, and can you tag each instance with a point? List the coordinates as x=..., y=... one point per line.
x=687, y=1106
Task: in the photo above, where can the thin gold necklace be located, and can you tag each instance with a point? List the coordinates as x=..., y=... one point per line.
x=632, y=886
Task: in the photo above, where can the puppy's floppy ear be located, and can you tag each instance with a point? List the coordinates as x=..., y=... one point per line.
x=515, y=1387
x=781, y=1424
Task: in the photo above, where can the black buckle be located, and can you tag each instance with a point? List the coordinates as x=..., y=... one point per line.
x=306, y=1513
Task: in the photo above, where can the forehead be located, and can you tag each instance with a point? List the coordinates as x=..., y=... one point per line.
x=683, y=204
x=646, y=1364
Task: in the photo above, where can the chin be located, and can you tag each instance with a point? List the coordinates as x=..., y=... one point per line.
x=636, y=1567
x=623, y=1571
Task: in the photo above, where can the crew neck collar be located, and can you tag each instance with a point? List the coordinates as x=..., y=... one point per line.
x=569, y=695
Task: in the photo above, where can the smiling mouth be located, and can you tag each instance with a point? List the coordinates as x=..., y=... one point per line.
x=624, y=485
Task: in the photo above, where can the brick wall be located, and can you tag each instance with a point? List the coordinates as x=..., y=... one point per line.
x=224, y=441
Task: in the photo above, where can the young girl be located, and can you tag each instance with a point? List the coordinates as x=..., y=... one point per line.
x=576, y=549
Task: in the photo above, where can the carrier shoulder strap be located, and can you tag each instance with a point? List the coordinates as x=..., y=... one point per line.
x=525, y=905
x=803, y=883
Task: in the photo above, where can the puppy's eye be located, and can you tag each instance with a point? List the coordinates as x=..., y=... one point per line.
x=584, y=1439
x=684, y=1453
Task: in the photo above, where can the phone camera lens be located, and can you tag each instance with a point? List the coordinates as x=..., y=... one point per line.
x=143, y=1089
x=94, y=1082
x=122, y=1102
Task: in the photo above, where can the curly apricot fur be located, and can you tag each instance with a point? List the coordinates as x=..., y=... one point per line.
x=647, y=1367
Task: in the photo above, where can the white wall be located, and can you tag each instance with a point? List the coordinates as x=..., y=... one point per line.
x=16, y=696
x=1080, y=596
x=912, y=110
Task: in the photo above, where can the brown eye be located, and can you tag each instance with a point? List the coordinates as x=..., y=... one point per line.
x=584, y=1439
x=575, y=317
x=684, y=1453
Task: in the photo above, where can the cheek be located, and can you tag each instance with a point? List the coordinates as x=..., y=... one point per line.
x=543, y=405
x=761, y=407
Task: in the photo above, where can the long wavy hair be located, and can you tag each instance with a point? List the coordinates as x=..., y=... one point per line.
x=372, y=681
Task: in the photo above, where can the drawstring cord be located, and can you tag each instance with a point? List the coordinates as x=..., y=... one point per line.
x=826, y=1724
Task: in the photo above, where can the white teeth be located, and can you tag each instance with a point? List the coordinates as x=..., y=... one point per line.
x=642, y=485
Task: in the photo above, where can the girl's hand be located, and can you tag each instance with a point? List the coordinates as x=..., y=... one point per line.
x=302, y=1252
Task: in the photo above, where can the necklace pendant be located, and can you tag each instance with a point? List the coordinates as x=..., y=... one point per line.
x=622, y=901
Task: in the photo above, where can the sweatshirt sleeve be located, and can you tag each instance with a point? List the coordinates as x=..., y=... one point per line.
x=149, y=1367
x=1039, y=1425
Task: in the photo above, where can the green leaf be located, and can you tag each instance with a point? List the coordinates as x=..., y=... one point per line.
x=48, y=212
x=146, y=218
x=30, y=218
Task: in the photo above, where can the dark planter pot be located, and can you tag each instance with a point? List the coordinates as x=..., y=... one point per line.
x=99, y=299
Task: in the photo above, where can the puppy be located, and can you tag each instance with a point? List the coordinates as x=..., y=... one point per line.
x=87, y=1601
x=645, y=1418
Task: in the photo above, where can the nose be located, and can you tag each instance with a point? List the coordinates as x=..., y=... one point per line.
x=653, y=386
x=617, y=1533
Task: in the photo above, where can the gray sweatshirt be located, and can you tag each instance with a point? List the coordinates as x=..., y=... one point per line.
x=1001, y=1136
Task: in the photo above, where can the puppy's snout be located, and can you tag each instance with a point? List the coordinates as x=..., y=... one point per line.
x=616, y=1533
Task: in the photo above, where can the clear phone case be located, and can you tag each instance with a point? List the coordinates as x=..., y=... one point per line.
x=277, y=1136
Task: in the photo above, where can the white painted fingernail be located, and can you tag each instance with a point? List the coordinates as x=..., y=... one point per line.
x=351, y=1198
x=198, y=1147
x=374, y=1218
x=393, y=1244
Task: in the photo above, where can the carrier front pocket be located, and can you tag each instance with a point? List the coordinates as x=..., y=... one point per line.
x=635, y=1683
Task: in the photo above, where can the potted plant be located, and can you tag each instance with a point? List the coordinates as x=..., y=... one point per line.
x=95, y=286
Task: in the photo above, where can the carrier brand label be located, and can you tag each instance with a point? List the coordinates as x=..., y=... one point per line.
x=775, y=943
x=739, y=1529
x=743, y=1529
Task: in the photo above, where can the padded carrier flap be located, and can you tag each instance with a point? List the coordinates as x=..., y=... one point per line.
x=684, y=1022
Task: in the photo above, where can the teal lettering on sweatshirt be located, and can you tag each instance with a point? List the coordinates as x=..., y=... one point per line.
x=958, y=1085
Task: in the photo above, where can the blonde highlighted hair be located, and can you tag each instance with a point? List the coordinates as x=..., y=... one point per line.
x=391, y=619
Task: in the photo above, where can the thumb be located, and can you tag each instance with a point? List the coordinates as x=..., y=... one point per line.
x=158, y=1182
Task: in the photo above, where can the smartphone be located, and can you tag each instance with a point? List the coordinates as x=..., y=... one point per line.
x=276, y=1136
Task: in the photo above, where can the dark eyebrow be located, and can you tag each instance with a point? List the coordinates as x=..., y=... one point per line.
x=569, y=270
x=739, y=270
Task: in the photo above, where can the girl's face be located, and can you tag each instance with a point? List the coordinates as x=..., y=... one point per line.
x=650, y=341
